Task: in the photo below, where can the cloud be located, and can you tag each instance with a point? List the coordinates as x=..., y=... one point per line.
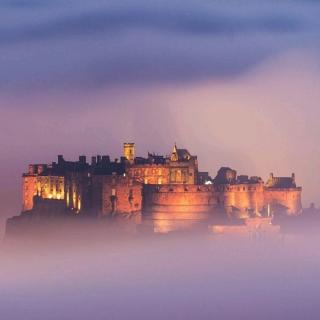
x=29, y=4
x=74, y=45
x=196, y=23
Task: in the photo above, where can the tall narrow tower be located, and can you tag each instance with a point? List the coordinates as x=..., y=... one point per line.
x=129, y=152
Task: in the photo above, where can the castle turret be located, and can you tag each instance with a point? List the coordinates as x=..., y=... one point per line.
x=129, y=151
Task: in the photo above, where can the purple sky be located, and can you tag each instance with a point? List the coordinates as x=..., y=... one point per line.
x=235, y=83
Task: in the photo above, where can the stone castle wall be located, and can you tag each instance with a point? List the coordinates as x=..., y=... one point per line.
x=240, y=199
x=121, y=195
x=150, y=173
x=178, y=198
x=29, y=190
x=289, y=198
x=177, y=207
x=48, y=187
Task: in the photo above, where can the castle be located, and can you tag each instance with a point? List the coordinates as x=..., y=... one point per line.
x=164, y=189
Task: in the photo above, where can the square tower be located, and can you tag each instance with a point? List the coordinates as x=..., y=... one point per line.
x=129, y=151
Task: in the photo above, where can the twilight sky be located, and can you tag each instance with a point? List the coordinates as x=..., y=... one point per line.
x=235, y=82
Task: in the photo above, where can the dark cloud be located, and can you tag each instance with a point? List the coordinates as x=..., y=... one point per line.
x=75, y=44
x=24, y=4
x=196, y=23
x=138, y=59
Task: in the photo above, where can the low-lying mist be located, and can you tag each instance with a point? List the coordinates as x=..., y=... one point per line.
x=182, y=276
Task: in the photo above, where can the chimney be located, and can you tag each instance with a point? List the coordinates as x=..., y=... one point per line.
x=105, y=159
x=98, y=159
x=60, y=159
x=31, y=169
x=93, y=161
x=82, y=159
x=40, y=168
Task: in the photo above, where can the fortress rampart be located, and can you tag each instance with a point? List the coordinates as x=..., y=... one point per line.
x=121, y=195
x=240, y=200
x=288, y=198
x=179, y=198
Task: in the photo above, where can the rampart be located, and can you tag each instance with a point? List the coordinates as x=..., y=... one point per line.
x=179, y=198
x=288, y=198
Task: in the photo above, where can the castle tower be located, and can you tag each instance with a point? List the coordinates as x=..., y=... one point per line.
x=129, y=151
x=174, y=154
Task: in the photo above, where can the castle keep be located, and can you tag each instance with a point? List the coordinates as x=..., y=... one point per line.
x=157, y=186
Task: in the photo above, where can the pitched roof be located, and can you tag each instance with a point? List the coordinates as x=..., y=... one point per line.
x=180, y=154
x=281, y=182
x=183, y=154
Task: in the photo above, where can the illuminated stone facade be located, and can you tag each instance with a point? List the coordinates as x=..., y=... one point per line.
x=178, y=168
x=121, y=194
x=77, y=190
x=179, y=198
x=149, y=173
x=41, y=181
x=166, y=186
x=29, y=191
x=51, y=187
x=239, y=196
x=129, y=152
x=282, y=193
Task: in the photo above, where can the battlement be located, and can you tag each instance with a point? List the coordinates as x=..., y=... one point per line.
x=179, y=198
x=239, y=187
x=178, y=188
x=281, y=182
